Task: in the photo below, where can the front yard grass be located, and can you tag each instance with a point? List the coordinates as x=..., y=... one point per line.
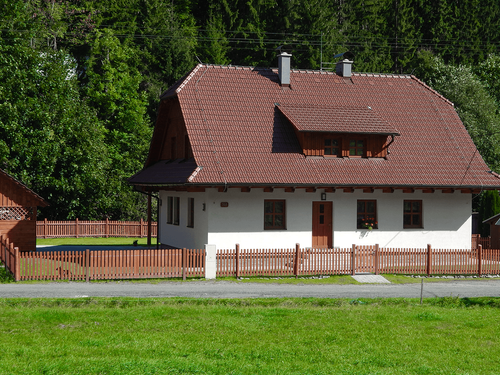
x=94, y=241
x=246, y=336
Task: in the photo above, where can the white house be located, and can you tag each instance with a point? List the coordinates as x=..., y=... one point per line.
x=268, y=158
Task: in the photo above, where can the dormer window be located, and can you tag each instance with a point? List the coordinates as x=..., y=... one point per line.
x=357, y=147
x=331, y=147
x=347, y=132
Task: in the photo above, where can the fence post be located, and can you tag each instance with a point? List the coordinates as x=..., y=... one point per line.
x=353, y=260
x=106, y=228
x=17, y=272
x=376, y=259
x=3, y=242
x=296, y=270
x=184, y=263
x=210, y=262
x=87, y=265
x=429, y=260
x=237, y=260
x=76, y=227
x=45, y=228
x=479, y=259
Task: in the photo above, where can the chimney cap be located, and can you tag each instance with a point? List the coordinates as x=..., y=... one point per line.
x=345, y=55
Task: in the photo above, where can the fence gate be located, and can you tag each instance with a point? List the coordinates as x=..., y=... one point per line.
x=364, y=259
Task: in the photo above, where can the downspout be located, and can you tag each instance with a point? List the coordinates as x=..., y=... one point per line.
x=390, y=143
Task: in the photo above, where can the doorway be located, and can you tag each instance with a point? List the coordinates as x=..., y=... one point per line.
x=322, y=233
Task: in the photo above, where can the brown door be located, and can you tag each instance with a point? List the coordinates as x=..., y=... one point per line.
x=322, y=224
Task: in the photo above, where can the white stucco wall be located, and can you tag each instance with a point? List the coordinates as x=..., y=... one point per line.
x=181, y=235
x=446, y=218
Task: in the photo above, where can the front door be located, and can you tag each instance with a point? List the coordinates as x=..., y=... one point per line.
x=322, y=225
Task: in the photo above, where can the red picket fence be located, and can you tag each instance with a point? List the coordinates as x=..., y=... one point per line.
x=110, y=264
x=358, y=259
x=80, y=228
x=9, y=255
x=164, y=263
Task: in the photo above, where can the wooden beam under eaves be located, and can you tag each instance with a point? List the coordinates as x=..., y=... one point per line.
x=329, y=190
x=310, y=190
x=408, y=190
x=268, y=190
x=448, y=191
x=289, y=189
x=245, y=189
x=388, y=190
x=470, y=191
x=195, y=189
x=368, y=190
x=427, y=191
x=348, y=190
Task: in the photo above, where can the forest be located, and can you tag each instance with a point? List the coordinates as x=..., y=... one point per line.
x=80, y=79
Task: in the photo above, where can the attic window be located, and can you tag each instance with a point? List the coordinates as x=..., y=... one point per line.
x=357, y=147
x=331, y=147
x=339, y=131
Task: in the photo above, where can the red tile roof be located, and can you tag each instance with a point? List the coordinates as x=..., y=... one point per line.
x=239, y=136
x=360, y=120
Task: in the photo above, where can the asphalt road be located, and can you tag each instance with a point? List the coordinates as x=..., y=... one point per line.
x=227, y=289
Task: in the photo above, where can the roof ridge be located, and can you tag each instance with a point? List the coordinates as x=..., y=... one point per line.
x=301, y=70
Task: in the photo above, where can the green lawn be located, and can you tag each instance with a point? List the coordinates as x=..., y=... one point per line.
x=94, y=241
x=266, y=336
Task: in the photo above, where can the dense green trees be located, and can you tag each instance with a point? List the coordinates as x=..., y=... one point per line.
x=80, y=79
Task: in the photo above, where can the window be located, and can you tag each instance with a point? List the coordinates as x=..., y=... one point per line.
x=356, y=147
x=412, y=214
x=367, y=214
x=176, y=210
x=331, y=147
x=170, y=210
x=274, y=214
x=173, y=204
x=190, y=213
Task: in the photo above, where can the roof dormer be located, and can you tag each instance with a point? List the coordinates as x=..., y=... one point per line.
x=340, y=131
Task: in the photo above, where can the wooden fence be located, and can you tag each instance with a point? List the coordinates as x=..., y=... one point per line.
x=485, y=242
x=357, y=259
x=110, y=264
x=80, y=228
x=163, y=263
x=9, y=255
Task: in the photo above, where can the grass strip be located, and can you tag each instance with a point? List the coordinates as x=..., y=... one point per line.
x=249, y=336
x=94, y=241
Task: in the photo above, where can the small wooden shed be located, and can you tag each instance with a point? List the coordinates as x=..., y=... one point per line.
x=494, y=223
x=18, y=208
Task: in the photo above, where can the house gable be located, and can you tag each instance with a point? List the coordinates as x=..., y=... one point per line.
x=170, y=139
x=15, y=194
x=18, y=210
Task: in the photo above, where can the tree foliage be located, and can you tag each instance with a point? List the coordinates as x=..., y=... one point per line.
x=477, y=109
x=80, y=79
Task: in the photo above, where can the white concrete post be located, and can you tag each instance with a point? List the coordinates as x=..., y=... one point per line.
x=210, y=262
